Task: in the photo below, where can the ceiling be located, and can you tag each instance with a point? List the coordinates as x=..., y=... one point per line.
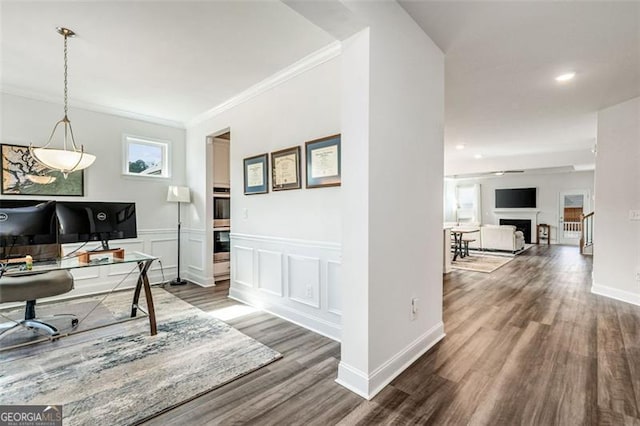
x=170, y=60
x=501, y=61
x=175, y=60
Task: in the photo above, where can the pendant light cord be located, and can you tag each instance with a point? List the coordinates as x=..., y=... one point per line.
x=65, y=76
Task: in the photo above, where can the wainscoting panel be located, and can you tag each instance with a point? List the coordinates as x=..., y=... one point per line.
x=334, y=279
x=304, y=280
x=270, y=272
x=297, y=280
x=197, y=257
x=165, y=248
x=243, y=266
x=196, y=251
x=99, y=279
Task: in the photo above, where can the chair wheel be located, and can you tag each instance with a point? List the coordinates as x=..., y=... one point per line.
x=74, y=322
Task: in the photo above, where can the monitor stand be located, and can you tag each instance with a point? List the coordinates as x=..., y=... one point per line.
x=85, y=256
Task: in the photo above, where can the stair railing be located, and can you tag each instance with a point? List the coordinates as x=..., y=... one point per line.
x=586, y=236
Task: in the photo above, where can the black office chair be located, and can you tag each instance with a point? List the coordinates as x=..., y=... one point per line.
x=29, y=288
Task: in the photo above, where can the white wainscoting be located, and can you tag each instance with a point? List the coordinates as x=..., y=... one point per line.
x=197, y=257
x=98, y=279
x=297, y=280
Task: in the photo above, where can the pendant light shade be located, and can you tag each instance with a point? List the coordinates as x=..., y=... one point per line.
x=63, y=160
x=69, y=158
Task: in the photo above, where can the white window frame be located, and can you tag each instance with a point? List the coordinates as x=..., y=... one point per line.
x=165, y=171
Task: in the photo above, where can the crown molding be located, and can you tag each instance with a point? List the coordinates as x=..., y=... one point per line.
x=77, y=104
x=303, y=65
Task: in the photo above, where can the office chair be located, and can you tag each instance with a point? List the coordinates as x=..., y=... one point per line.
x=30, y=287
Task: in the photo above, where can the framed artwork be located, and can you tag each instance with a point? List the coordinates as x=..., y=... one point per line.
x=323, y=162
x=285, y=169
x=256, y=176
x=23, y=175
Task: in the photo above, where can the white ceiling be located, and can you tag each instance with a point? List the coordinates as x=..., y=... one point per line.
x=501, y=60
x=165, y=59
x=175, y=60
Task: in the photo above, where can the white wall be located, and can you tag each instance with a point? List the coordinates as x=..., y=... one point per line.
x=286, y=251
x=616, y=258
x=548, y=193
x=396, y=121
x=27, y=120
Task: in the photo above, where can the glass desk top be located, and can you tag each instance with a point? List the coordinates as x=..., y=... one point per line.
x=97, y=259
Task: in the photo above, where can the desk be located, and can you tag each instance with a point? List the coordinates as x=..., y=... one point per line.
x=144, y=261
x=457, y=238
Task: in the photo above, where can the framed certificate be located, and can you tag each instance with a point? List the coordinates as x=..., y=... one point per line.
x=323, y=162
x=285, y=169
x=256, y=176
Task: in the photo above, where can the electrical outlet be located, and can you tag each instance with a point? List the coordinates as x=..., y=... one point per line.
x=634, y=215
x=638, y=276
x=309, y=292
x=245, y=213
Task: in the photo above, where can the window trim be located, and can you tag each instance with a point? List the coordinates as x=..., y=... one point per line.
x=165, y=145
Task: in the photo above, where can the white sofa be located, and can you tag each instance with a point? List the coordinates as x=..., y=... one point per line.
x=501, y=237
x=491, y=237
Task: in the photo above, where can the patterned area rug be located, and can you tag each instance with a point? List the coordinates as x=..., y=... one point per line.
x=481, y=263
x=125, y=375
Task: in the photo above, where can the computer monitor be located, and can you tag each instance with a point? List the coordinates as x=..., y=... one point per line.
x=83, y=221
x=26, y=223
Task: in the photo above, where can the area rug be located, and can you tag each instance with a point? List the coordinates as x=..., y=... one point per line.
x=126, y=376
x=502, y=253
x=481, y=263
x=92, y=311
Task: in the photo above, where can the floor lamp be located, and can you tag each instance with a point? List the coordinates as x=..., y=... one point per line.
x=178, y=194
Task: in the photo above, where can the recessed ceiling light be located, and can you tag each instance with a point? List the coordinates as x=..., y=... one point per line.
x=459, y=147
x=566, y=76
x=498, y=173
x=477, y=156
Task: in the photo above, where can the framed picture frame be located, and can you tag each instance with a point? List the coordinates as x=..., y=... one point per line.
x=285, y=169
x=256, y=174
x=323, y=160
x=23, y=175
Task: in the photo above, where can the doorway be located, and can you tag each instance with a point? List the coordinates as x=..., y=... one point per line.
x=572, y=205
x=219, y=187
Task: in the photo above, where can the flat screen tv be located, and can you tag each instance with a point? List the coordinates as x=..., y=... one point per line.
x=27, y=222
x=83, y=221
x=514, y=198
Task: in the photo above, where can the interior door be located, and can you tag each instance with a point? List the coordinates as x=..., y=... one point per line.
x=572, y=205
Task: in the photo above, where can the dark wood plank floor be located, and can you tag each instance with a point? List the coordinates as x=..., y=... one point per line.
x=526, y=344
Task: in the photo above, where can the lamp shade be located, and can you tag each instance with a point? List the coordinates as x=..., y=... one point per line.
x=178, y=194
x=64, y=160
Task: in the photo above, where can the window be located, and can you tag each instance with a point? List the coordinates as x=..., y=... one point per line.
x=468, y=203
x=145, y=157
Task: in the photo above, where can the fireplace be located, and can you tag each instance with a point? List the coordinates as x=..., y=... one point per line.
x=523, y=225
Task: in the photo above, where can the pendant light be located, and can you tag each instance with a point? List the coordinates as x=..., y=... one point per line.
x=70, y=158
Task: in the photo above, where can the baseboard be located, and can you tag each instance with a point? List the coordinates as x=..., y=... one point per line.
x=369, y=386
x=200, y=280
x=353, y=379
x=317, y=325
x=614, y=293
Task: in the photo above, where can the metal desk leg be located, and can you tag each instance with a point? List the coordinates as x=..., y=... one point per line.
x=143, y=281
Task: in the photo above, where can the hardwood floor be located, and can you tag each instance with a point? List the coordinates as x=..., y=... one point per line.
x=526, y=344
